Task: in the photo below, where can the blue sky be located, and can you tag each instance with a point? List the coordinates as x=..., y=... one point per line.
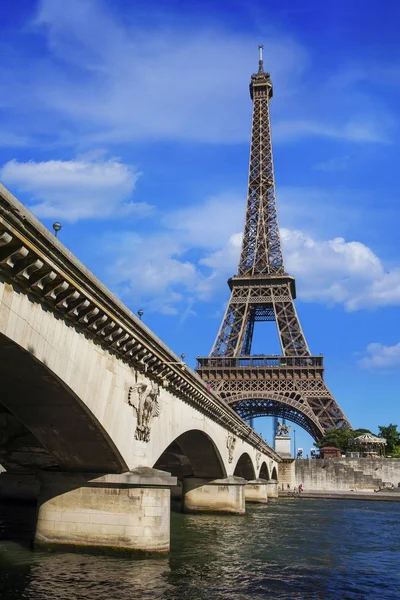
x=129, y=122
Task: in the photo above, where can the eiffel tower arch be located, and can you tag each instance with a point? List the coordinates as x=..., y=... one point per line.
x=290, y=385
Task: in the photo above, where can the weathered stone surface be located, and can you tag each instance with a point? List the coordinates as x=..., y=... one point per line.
x=128, y=512
x=287, y=478
x=282, y=446
x=256, y=491
x=218, y=495
x=341, y=474
x=272, y=489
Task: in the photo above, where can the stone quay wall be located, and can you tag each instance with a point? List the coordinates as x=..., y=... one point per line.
x=340, y=474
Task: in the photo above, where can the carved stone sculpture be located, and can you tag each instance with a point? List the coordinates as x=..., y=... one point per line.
x=282, y=429
x=143, y=397
x=258, y=459
x=230, y=444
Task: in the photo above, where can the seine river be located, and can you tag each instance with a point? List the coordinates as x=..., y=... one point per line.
x=291, y=549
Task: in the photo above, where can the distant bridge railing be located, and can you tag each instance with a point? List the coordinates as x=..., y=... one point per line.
x=259, y=361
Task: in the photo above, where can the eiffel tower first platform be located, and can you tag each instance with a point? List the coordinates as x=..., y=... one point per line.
x=290, y=385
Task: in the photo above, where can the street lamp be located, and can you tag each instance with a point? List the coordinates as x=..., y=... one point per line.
x=140, y=313
x=294, y=443
x=56, y=226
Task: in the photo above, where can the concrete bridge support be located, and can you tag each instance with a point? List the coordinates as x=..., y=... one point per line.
x=128, y=512
x=256, y=491
x=272, y=488
x=218, y=495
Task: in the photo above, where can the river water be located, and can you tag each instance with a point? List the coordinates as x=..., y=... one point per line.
x=292, y=549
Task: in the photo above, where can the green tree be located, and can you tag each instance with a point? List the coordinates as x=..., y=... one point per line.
x=340, y=437
x=392, y=436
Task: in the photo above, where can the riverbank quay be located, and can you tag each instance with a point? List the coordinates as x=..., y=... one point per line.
x=343, y=474
x=380, y=496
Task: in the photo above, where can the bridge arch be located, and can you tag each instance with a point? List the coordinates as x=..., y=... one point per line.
x=192, y=453
x=65, y=435
x=289, y=405
x=245, y=468
x=264, y=473
x=274, y=474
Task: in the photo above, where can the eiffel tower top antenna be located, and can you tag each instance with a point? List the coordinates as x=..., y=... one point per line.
x=260, y=61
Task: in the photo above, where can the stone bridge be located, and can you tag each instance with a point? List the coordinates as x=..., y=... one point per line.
x=100, y=417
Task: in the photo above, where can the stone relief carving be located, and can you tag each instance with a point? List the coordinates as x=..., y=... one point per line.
x=282, y=429
x=258, y=459
x=143, y=397
x=230, y=444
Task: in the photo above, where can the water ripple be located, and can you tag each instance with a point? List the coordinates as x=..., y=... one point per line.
x=308, y=550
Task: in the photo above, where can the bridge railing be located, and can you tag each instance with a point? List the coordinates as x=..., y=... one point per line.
x=259, y=361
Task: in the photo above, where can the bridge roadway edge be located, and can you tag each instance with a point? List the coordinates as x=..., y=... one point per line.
x=128, y=341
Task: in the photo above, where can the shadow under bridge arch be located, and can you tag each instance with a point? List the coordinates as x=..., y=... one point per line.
x=291, y=406
x=66, y=434
x=264, y=473
x=192, y=454
x=245, y=468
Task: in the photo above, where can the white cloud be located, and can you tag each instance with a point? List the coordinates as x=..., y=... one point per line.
x=187, y=260
x=107, y=79
x=152, y=269
x=339, y=272
x=360, y=130
x=225, y=260
x=177, y=264
x=381, y=357
x=120, y=81
x=209, y=224
x=76, y=189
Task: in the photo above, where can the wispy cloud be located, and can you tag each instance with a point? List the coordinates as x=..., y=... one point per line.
x=209, y=224
x=358, y=131
x=13, y=140
x=379, y=356
x=76, y=189
x=339, y=272
x=332, y=165
x=177, y=264
x=117, y=82
x=108, y=80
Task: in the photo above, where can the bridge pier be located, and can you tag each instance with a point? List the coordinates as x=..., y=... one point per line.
x=213, y=495
x=19, y=486
x=272, y=488
x=256, y=491
x=128, y=512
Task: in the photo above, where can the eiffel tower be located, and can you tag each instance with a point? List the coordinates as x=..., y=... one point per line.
x=290, y=385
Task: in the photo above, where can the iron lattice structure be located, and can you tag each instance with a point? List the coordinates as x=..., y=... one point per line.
x=291, y=385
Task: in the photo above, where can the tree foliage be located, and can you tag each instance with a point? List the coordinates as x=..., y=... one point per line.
x=340, y=437
x=392, y=436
